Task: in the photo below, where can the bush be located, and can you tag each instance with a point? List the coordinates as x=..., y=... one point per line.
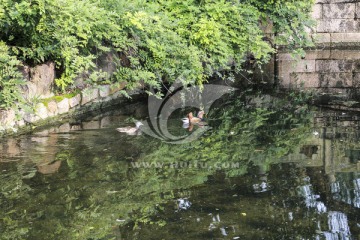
x=158, y=42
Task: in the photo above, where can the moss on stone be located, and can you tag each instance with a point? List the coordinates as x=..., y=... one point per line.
x=59, y=98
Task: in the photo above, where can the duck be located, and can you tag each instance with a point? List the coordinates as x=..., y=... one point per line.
x=191, y=119
x=131, y=130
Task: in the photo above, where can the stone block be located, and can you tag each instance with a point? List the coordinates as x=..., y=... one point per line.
x=322, y=37
x=104, y=91
x=31, y=118
x=64, y=128
x=336, y=80
x=20, y=123
x=41, y=80
x=91, y=125
x=310, y=55
x=75, y=101
x=41, y=111
x=345, y=37
x=297, y=66
x=117, y=87
x=338, y=25
x=52, y=108
x=75, y=127
x=339, y=10
x=89, y=95
x=344, y=54
x=356, y=79
x=357, y=10
x=63, y=106
x=335, y=1
x=334, y=66
x=7, y=118
x=356, y=66
x=105, y=122
x=305, y=80
x=317, y=11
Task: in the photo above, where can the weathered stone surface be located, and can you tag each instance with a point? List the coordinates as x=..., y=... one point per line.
x=91, y=125
x=41, y=111
x=337, y=80
x=356, y=66
x=322, y=38
x=344, y=54
x=7, y=118
x=345, y=37
x=89, y=95
x=297, y=66
x=339, y=10
x=75, y=127
x=75, y=101
x=64, y=128
x=356, y=79
x=20, y=123
x=304, y=80
x=105, y=122
x=338, y=25
x=117, y=87
x=334, y=65
x=25, y=71
x=336, y=1
x=310, y=55
x=31, y=118
x=63, y=106
x=104, y=91
x=107, y=62
x=52, y=108
x=317, y=11
x=357, y=10
x=41, y=81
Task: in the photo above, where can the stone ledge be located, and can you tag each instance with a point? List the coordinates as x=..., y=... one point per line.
x=93, y=101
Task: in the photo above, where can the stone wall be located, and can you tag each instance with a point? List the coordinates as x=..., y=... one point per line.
x=51, y=108
x=333, y=66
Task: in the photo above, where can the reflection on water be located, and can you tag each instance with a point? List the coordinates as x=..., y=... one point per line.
x=296, y=177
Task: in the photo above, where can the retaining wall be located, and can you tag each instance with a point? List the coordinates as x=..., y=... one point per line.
x=332, y=68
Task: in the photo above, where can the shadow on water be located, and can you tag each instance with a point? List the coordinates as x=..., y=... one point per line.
x=268, y=168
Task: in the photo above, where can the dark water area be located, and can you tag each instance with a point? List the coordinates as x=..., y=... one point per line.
x=266, y=168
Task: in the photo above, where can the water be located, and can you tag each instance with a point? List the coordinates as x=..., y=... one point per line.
x=266, y=169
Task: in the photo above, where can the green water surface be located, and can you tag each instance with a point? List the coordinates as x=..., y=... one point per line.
x=264, y=170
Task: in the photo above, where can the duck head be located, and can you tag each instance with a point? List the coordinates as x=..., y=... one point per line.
x=138, y=124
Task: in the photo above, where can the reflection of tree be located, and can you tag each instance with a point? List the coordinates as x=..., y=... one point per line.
x=96, y=190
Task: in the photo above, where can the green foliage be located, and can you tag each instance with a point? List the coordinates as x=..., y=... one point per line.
x=154, y=42
x=10, y=78
x=290, y=20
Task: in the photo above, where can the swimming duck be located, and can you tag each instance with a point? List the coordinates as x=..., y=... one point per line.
x=191, y=119
x=131, y=130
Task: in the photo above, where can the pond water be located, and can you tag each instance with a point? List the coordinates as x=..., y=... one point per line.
x=266, y=169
